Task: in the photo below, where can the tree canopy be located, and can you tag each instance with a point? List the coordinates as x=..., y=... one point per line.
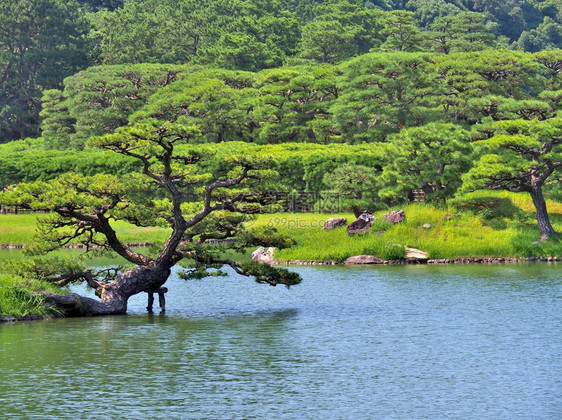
x=43, y=42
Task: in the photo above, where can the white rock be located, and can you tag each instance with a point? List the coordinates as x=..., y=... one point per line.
x=263, y=256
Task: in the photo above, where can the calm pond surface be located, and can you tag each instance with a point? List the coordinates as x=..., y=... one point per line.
x=431, y=342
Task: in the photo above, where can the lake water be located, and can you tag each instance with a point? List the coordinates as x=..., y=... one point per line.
x=423, y=342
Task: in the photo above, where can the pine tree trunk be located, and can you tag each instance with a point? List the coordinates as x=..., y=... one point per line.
x=115, y=295
x=542, y=214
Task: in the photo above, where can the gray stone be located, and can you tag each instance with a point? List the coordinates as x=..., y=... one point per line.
x=364, y=259
x=395, y=217
x=413, y=254
x=334, y=222
x=362, y=225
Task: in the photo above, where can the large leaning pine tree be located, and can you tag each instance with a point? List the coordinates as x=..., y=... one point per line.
x=204, y=200
x=520, y=156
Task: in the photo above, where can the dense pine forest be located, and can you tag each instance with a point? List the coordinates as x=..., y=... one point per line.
x=43, y=42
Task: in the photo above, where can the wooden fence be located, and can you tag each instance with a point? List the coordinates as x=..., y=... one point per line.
x=17, y=210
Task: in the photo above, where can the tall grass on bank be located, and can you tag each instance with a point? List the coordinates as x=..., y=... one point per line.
x=425, y=228
x=18, y=297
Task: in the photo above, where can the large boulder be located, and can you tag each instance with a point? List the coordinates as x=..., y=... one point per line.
x=263, y=256
x=363, y=259
x=413, y=254
x=395, y=217
x=334, y=222
x=362, y=225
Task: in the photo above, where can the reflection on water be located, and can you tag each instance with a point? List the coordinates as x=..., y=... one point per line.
x=384, y=342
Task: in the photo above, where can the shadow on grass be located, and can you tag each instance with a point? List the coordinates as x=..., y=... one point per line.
x=490, y=207
x=496, y=212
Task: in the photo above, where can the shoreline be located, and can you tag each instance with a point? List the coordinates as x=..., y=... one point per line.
x=11, y=318
x=459, y=260
x=436, y=261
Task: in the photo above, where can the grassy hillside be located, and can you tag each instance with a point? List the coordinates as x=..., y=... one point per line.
x=482, y=224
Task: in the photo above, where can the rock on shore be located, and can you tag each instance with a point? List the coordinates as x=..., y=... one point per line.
x=263, y=256
x=363, y=259
x=413, y=254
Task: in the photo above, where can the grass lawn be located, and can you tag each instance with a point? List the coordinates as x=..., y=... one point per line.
x=18, y=229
